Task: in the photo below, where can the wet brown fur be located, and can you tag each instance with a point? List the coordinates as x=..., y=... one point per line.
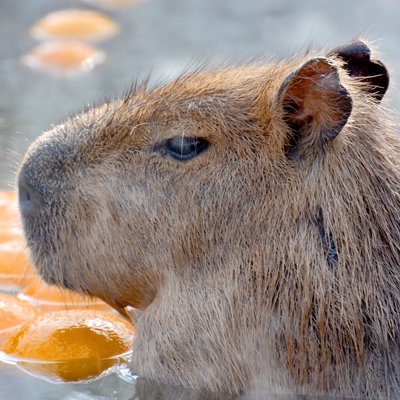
x=224, y=252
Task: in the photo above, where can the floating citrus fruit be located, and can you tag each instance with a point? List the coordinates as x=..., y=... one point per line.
x=52, y=298
x=10, y=232
x=112, y=3
x=71, y=345
x=15, y=268
x=63, y=57
x=74, y=24
x=8, y=209
x=7, y=197
x=13, y=313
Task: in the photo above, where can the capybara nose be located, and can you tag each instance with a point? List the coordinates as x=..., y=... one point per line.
x=42, y=175
x=30, y=200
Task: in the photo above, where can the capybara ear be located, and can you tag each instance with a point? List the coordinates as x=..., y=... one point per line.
x=357, y=58
x=315, y=104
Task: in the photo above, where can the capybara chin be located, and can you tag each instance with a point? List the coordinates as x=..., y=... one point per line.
x=251, y=211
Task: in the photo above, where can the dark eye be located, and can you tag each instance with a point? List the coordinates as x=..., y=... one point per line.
x=184, y=148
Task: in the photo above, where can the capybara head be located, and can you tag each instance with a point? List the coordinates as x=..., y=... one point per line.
x=251, y=211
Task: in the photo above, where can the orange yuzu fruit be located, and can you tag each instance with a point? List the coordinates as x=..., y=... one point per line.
x=73, y=345
x=8, y=209
x=74, y=24
x=15, y=267
x=64, y=57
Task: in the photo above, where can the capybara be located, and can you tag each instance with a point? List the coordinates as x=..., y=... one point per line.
x=251, y=212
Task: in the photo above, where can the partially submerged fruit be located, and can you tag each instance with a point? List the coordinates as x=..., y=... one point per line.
x=8, y=209
x=15, y=268
x=8, y=233
x=72, y=345
x=112, y=3
x=74, y=24
x=63, y=57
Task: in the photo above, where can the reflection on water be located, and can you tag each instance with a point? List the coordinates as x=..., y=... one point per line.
x=17, y=385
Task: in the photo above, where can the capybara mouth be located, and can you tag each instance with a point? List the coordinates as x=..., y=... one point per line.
x=43, y=252
x=67, y=249
x=41, y=212
x=39, y=240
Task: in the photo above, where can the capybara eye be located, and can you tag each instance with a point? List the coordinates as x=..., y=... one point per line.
x=184, y=148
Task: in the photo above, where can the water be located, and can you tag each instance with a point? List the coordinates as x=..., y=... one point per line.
x=161, y=36
x=16, y=385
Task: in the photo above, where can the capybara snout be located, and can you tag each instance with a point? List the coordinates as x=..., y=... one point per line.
x=252, y=213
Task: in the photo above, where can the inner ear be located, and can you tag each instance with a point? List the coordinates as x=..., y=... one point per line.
x=315, y=105
x=358, y=63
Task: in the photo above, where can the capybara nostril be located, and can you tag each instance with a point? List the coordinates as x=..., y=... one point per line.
x=30, y=200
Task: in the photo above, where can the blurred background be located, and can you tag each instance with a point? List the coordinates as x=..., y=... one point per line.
x=131, y=39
